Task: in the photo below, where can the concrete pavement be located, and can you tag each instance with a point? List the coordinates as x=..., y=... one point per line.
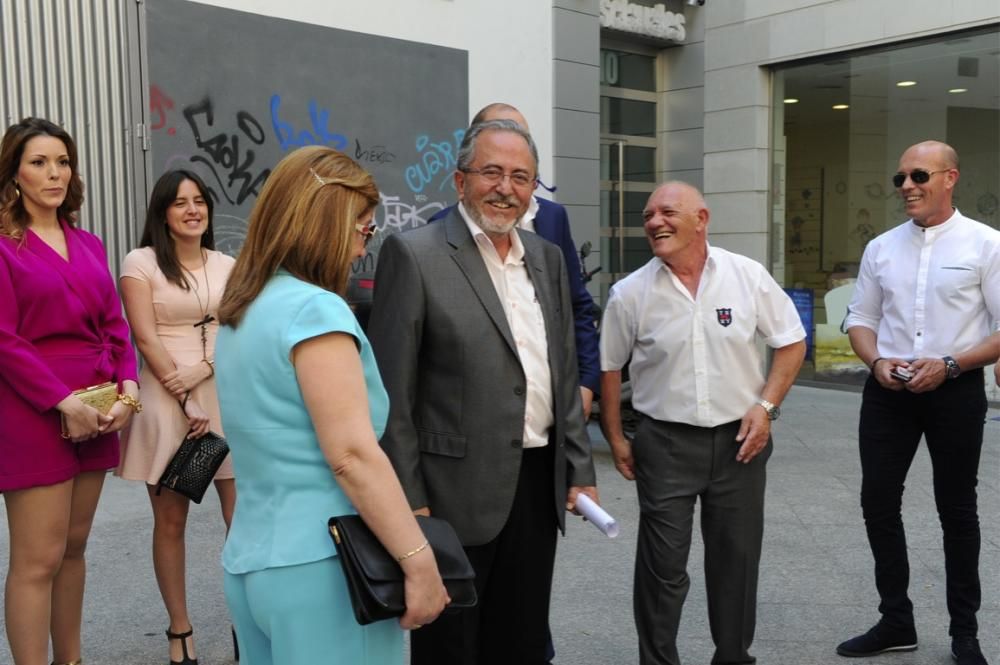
x=816, y=572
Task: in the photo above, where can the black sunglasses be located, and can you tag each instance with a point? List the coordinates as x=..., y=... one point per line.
x=918, y=176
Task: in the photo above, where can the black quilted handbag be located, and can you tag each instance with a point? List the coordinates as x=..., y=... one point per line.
x=194, y=465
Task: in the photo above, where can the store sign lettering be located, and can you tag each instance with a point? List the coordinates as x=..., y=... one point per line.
x=653, y=21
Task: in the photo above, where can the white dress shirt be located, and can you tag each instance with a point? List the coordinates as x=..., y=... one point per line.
x=929, y=292
x=527, y=326
x=527, y=221
x=696, y=360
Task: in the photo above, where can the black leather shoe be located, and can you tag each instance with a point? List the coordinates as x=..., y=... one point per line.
x=966, y=651
x=879, y=640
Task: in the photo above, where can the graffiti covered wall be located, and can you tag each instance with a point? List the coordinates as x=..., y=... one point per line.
x=231, y=93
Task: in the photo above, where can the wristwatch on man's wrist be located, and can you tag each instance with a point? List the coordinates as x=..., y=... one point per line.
x=772, y=409
x=951, y=367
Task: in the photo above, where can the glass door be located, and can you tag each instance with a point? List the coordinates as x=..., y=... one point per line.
x=628, y=159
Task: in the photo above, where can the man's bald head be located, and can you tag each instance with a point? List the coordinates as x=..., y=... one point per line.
x=685, y=192
x=943, y=153
x=500, y=111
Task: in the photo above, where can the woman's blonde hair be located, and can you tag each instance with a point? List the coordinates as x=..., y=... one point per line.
x=303, y=221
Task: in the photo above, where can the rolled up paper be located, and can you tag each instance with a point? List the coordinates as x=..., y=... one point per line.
x=597, y=516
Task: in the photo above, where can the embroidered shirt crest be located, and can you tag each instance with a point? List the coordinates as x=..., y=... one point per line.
x=724, y=316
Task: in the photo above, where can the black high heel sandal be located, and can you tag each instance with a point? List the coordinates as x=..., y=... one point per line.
x=188, y=660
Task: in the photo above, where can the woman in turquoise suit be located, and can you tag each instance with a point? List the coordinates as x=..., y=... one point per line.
x=303, y=406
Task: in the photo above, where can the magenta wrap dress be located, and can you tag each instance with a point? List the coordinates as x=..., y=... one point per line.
x=61, y=329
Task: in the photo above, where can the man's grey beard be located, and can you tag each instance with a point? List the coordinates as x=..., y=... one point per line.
x=490, y=226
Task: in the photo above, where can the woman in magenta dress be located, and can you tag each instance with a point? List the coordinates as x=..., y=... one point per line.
x=61, y=329
x=171, y=287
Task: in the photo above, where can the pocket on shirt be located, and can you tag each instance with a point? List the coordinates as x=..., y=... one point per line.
x=437, y=443
x=956, y=278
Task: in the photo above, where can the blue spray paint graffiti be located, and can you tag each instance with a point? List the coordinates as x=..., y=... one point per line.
x=436, y=158
x=321, y=133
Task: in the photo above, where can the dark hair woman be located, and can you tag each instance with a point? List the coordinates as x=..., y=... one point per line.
x=171, y=287
x=61, y=330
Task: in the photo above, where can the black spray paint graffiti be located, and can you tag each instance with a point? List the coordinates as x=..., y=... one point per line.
x=222, y=152
x=376, y=154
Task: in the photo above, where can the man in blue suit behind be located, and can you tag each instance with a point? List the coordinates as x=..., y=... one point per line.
x=550, y=221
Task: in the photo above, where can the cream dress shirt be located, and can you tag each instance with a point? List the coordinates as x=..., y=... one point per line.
x=527, y=326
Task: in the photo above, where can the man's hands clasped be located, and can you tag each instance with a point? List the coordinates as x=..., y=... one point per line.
x=926, y=374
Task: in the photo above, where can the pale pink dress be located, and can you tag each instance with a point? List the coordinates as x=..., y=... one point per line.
x=155, y=434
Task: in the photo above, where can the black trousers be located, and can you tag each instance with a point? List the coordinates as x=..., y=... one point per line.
x=513, y=579
x=951, y=419
x=675, y=465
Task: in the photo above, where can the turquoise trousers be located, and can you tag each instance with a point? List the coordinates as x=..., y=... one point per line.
x=301, y=615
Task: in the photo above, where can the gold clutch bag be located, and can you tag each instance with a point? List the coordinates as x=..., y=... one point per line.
x=102, y=397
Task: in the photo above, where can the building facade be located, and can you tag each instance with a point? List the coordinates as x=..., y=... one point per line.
x=789, y=114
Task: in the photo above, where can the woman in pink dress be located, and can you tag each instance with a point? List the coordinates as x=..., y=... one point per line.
x=172, y=286
x=61, y=330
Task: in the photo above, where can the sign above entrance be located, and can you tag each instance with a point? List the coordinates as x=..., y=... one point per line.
x=655, y=21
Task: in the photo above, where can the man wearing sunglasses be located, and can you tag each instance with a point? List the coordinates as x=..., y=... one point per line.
x=920, y=318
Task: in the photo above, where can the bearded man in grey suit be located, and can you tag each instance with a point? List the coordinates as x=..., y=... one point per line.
x=472, y=327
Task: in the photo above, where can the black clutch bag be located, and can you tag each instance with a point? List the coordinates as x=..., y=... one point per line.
x=194, y=465
x=374, y=578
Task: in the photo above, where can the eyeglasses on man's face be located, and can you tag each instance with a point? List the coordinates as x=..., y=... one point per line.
x=917, y=176
x=367, y=230
x=495, y=175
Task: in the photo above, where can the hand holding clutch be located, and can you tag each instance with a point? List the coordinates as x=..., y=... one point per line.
x=78, y=422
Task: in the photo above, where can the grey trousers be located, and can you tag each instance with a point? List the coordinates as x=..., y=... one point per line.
x=676, y=464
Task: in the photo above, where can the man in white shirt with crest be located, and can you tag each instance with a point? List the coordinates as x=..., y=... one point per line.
x=690, y=320
x=922, y=318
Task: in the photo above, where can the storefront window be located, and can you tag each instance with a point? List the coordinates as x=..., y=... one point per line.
x=840, y=125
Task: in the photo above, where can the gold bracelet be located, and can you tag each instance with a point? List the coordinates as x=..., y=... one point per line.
x=420, y=549
x=132, y=402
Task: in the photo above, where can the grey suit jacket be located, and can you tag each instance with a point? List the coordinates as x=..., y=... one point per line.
x=456, y=386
